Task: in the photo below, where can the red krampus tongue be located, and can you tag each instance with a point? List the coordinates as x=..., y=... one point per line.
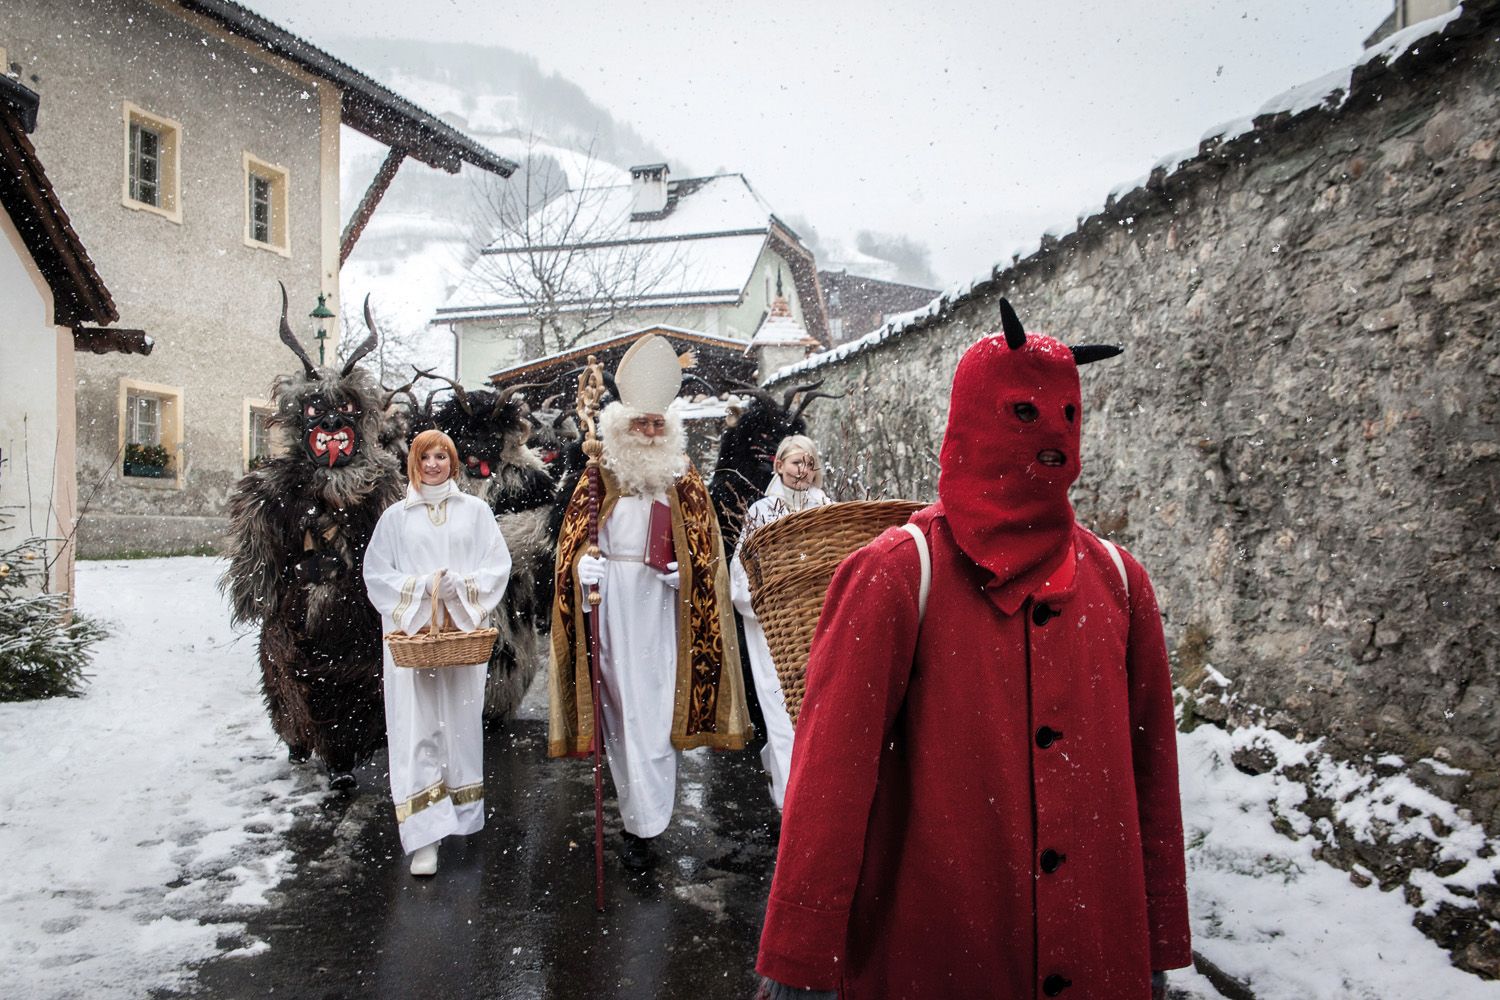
x=484, y=469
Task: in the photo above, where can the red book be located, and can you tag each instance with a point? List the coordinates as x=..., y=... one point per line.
x=660, y=550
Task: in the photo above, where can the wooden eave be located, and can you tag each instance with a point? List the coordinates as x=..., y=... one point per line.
x=114, y=340
x=79, y=295
x=718, y=358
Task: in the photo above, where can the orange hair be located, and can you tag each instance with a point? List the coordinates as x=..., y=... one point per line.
x=425, y=442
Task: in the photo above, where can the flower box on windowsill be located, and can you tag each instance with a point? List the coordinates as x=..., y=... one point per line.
x=147, y=471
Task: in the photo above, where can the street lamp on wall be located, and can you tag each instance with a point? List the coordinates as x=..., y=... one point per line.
x=320, y=315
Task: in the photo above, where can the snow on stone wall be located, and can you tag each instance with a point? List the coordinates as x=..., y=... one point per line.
x=1302, y=441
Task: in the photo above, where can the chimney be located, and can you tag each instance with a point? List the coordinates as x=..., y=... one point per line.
x=648, y=186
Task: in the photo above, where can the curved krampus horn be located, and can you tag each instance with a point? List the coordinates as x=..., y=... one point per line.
x=756, y=391
x=369, y=342
x=1084, y=353
x=458, y=392
x=289, y=339
x=426, y=407
x=802, y=405
x=511, y=390
x=1015, y=333
x=705, y=383
x=786, y=397
x=391, y=394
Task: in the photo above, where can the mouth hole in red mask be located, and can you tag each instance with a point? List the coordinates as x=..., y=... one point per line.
x=1052, y=458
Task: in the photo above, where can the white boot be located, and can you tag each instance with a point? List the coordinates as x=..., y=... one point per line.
x=424, y=860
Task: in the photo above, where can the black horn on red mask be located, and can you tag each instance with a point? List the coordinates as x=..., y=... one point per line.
x=1015, y=339
x=1085, y=353
x=1010, y=323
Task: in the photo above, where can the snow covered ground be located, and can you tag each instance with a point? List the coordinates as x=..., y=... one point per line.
x=143, y=817
x=145, y=820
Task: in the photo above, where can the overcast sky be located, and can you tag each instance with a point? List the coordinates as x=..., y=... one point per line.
x=970, y=127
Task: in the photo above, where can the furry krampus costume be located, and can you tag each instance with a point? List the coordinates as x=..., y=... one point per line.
x=297, y=534
x=490, y=430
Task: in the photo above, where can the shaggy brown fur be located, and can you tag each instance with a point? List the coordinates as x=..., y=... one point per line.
x=297, y=537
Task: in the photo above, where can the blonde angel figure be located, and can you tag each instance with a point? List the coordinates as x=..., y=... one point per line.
x=796, y=486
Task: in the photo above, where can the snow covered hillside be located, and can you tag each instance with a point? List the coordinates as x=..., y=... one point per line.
x=426, y=229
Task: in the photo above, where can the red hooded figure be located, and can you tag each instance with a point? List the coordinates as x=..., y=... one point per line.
x=983, y=796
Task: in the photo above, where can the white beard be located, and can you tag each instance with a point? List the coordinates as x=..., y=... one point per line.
x=644, y=466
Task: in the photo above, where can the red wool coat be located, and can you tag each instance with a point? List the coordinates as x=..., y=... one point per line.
x=987, y=806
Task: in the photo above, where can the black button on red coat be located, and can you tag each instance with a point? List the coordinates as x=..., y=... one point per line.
x=1046, y=736
x=1055, y=984
x=1052, y=860
x=1042, y=614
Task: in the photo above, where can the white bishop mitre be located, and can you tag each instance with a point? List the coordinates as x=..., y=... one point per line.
x=648, y=376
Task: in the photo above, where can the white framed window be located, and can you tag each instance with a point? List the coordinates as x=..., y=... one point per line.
x=152, y=154
x=257, y=440
x=266, y=206
x=150, y=433
x=142, y=419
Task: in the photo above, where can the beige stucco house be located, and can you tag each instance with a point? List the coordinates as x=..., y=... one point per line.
x=703, y=253
x=196, y=146
x=55, y=303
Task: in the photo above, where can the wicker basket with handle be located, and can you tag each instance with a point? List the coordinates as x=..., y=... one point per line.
x=790, y=564
x=439, y=645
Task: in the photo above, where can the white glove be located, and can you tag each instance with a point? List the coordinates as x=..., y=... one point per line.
x=450, y=588
x=591, y=570
x=670, y=577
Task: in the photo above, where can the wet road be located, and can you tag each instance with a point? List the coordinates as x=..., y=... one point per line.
x=510, y=912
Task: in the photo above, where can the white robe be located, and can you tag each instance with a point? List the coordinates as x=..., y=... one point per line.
x=776, y=755
x=434, y=718
x=637, y=669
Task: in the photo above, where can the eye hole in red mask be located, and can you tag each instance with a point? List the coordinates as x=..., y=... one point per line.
x=1070, y=411
x=1026, y=412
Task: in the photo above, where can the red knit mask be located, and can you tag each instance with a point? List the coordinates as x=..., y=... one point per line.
x=1009, y=455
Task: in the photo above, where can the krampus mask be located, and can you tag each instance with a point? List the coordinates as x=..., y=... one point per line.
x=486, y=426
x=334, y=415
x=1010, y=453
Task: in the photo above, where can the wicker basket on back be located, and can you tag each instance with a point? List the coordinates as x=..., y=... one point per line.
x=790, y=564
x=439, y=645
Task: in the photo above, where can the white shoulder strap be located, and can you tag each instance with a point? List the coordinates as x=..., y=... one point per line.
x=926, y=561
x=1114, y=554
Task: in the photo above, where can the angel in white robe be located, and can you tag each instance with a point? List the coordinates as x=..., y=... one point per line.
x=796, y=486
x=436, y=538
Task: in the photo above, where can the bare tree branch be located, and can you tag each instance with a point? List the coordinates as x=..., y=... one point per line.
x=563, y=253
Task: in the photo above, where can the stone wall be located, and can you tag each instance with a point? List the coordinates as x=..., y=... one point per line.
x=1302, y=441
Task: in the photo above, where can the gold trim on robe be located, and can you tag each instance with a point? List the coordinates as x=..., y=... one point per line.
x=709, y=704
x=435, y=793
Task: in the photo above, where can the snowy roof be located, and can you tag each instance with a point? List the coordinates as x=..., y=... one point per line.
x=1239, y=138
x=367, y=106
x=780, y=328
x=700, y=251
x=609, y=347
